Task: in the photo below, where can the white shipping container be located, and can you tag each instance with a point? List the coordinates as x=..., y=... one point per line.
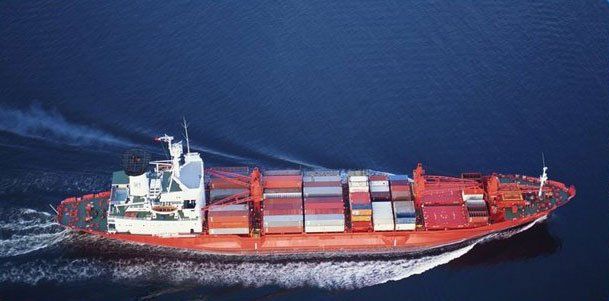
x=405, y=227
x=336, y=222
x=225, y=231
x=322, y=229
x=358, y=184
x=379, y=183
x=358, y=189
x=379, y=188
x=283, y=195
x=384, y=226
x=358, y=179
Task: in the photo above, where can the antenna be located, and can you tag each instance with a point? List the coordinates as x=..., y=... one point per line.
x=544, y=175
x=185, y=125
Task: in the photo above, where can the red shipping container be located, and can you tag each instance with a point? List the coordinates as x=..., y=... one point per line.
x=324, y=205
x=281, y=230
x=293, y=178
x=319, y=200
x=322, y=184
x=359, y=196
x=324, y=211
x=282, y=182
x=378, y=178
x=227, y=213
x=445, y=217
x=224, y=224
x=361, y=226
x=283, y=190
x=227, y=219
x=400, y=187
x=283, y=212
x=282, y=201
x=283, y=206
x=451, y=197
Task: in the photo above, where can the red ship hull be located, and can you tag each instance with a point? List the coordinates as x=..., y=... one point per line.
x=375, y=242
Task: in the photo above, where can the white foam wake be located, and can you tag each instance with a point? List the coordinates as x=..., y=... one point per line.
x=27, y=230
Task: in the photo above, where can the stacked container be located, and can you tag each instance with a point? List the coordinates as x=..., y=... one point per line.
x=403, y=206
x=282, y=205
x=360, y=203
x=227, y=219
x=382, y=209
x=477, y=211
x=323, y=202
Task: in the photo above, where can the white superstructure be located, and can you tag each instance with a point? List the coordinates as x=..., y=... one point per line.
x=166, y=201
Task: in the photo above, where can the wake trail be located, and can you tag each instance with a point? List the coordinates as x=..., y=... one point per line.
x=27, y=230
x=49, y=125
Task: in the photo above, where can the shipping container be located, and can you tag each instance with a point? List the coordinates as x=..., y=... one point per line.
x=361, y=211
x=285, y=195
x=361, y=218
x=267, y=212
x=361, y=206
x=380, y=196
x=313, y=179
x=283, y=230
x=236, y=207
x=322, y=191
x=378, y=178
x=328, y=199
x=316, y=173
x=445, y=217
x=358, y=189
x=358, y=179
x=379, y=189
x=282, y=172
x=322, y=184
x=225, y=231
x=218, y=194
x=324, y=211
x=283, y=218
x=283, y=190
x=358, y=184
x=324, y=229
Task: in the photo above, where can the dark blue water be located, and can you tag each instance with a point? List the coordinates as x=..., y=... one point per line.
x=459, y=86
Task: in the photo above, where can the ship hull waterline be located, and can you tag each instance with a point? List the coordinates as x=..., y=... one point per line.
x=287, y=244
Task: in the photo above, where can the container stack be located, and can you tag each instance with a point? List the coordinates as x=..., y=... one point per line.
x=227, y=219
x=444, y=209
x=282, y=205
x=404, y=215
x=403, y=206
x=323, y=202
x=477, y=211
x=379, y=188
x=360, y=203
x=382, y=209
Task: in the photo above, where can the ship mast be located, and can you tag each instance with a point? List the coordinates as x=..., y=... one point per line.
x=544, y=175
x=185, y=125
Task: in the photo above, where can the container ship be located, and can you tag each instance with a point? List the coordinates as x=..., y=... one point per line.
x=179, y=203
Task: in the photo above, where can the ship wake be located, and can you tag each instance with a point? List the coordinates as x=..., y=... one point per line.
x=39, y=123
x=24, y=231
x=176, y=269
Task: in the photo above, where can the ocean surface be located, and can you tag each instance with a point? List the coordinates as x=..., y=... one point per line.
x=457, y=85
